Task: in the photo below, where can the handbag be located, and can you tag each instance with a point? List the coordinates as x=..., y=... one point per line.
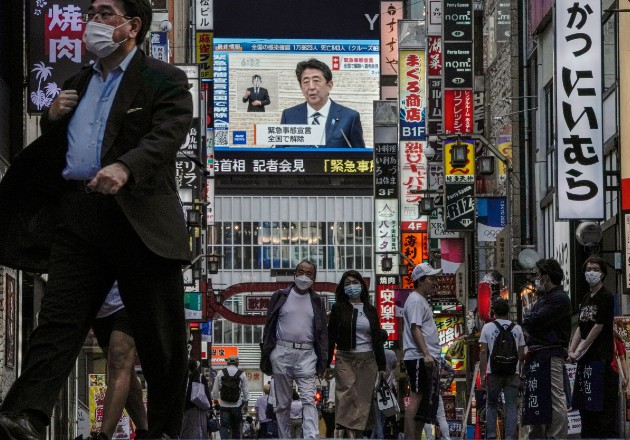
x=386, y=400
x=269, y=410
x=198, y=395
x=214, y=424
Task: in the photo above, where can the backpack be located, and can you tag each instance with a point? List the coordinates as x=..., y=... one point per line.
x=230, y=386
x=504, y=357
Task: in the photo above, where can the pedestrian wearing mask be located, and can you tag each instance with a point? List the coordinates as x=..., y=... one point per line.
x=592, y=347
x=548, y=329
x=421, y=346
x=295, y=348
x=353, y=328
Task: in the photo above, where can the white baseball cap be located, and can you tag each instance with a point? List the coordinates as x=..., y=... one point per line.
x=424, y=270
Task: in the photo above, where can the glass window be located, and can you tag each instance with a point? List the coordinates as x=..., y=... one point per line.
x=610, y=52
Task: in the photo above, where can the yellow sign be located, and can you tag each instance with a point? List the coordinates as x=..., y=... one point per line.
x=203, y=50
x=463, y=174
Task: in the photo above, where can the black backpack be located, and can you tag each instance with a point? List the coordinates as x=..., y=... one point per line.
x=504, y=357
x=230, y=386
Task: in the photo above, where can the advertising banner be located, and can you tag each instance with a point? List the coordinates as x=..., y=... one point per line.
x=159, y=45
x=203, y=54
x=386, y=307
x=386, y=233
x=491, y=217
x=580, y=170
x=434, y=22
x=460, y=207
x=391, y=13
x=385, y=171
x=220, y=353
x=458, y=111
x=412, y=91
x=458, y=65
x=413, y=180
x=457, y=21
x=459, y=174
x=56, y=50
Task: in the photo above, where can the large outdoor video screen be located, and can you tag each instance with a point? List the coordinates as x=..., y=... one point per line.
x=257, y=46
x=255, y=81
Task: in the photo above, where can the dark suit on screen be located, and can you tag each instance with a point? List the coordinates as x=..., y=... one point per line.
x=86, y=240
x=262, y=96
x=343, y=125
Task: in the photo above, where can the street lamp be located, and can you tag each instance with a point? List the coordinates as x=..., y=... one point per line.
x=485, y=165
x=459, y=154
x=193, y=218
x=213, y=263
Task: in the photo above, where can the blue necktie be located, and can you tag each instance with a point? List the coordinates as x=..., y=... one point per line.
x=315, y=116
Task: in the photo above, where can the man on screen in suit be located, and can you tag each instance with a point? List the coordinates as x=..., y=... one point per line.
x=256, y=97
x=97, y=201
x=343, y=125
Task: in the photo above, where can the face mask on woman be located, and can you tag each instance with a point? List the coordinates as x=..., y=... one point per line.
x=353, y=290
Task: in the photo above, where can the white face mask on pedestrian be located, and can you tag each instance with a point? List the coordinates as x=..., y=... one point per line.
x=592, y=277
x=99, y=38
x=303, y=282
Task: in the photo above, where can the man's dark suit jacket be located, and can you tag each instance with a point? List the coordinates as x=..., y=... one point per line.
x=342, y=121
x=150, y=116
x=262, y=96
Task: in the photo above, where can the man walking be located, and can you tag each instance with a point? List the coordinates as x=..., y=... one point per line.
x=548, y=329
x=295, y=347
x=496, y=379
x=421, y=349
x=231, y=387
x=104, y=207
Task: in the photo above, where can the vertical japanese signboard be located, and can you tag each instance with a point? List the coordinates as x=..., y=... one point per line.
x=55, y=50
x=385, y=171
x=386, y=307
x=460, y=194
x=386, y=230
x=578, y=87
x=457, y=71
x=412, y=92
x=391, y=13
x=203, y=15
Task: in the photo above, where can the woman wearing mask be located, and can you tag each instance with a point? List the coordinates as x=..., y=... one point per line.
x=592, y=349
x=354, y=329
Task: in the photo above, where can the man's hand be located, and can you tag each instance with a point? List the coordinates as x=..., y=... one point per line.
x=247, y=93
x=257, y=103
x=429, y=362
x=63, y=104
x=110, y=179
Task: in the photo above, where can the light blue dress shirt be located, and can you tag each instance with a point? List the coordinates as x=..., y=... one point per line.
x=87, y=126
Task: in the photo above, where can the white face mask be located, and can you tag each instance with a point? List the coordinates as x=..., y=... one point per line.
x=98, y=38
x=592, y=277
x=303, y=282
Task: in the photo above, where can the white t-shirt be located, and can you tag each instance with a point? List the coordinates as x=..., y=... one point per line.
x=489, y=333
x=418, y=311
x=364, y=337
x=295, y=321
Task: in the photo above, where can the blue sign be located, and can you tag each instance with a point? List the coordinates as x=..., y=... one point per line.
x=239, y=137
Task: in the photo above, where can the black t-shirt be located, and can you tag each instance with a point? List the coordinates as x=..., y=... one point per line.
x=598, y=309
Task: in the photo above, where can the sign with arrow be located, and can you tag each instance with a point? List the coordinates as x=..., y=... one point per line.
x=459, y=207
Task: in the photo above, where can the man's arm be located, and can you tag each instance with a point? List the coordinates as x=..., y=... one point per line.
x=356, y=133
x=265, y=98
x=217, y=385
x=244, y=388
x=554, y=310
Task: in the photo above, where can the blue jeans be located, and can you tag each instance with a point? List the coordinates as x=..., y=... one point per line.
x=231, y=418
x=509, y=385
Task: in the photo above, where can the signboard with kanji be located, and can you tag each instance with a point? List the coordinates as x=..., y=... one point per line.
x=220, y=353
x=56, y=50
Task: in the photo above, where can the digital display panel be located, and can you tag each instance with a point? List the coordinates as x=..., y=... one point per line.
x=255, y=83
x=259, y=103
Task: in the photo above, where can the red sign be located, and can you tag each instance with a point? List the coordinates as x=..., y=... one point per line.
x=386, y=306
x=458, y=111
x=434, y=55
